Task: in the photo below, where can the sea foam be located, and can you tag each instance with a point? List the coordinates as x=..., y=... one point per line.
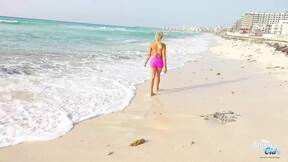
x=44, y=94
x=9, y=21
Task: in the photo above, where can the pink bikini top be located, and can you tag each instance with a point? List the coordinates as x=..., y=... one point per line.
x=157, y=53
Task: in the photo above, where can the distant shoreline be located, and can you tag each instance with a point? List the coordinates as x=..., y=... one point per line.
x=252, y=38
x=278, y=45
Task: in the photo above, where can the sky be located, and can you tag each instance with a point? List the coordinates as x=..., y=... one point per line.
x=153, y=13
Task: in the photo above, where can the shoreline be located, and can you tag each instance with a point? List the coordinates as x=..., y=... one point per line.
x=172, y=122
x=62, y=101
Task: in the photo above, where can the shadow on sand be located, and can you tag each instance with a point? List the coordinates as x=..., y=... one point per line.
x=187, y=88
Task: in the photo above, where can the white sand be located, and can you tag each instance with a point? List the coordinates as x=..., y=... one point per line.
x=264, y=56
x=172, y=122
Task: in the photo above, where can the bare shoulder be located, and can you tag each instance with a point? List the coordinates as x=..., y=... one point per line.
x=152, y=44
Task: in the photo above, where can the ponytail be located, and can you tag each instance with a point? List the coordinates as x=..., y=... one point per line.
x=158, y=38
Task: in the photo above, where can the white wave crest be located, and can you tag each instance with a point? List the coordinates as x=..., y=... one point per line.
x=9, y=21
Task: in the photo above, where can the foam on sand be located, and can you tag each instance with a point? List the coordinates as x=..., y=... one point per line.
x=43, y=96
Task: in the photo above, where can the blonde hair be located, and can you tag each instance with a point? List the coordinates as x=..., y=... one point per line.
x=158, y=38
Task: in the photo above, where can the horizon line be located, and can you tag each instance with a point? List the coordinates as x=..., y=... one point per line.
x=79, y=22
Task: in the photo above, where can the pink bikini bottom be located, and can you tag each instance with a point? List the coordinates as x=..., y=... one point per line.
x=156, y=62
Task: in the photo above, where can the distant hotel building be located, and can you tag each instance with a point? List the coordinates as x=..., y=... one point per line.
x=263, y=22
x=281, y=28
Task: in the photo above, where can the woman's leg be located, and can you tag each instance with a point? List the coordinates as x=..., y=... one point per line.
x=158, y=72
x=153, y=74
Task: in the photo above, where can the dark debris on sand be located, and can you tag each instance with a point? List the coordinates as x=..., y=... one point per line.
x=110, y=153
x=223, y=116
x=138, y=142
x=192, y=143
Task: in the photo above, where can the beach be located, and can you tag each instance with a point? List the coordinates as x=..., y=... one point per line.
x=55, y=74
x=218, y=107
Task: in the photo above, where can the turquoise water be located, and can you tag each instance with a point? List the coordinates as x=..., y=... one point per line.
x=27, y=35
x=54, y=74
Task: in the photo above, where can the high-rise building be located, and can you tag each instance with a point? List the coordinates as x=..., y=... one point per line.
x=246, y=22
x=284, y=27
x=268, y=18
x=263, y=21
x=281, y=28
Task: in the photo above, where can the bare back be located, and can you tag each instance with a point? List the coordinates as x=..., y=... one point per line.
x=157, y=50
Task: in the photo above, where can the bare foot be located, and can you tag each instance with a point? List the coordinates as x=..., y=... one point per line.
x=157, y=92
x=152, y=94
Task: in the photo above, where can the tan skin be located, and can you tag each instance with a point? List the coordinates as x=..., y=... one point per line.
x=155, y=73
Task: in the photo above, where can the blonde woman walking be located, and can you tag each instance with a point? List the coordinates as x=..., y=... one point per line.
x=157, y=50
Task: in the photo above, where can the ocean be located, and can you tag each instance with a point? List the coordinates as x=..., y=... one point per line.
x=55, y=74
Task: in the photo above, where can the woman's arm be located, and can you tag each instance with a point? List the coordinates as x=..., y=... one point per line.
x=164, y=59
x=148, y=55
